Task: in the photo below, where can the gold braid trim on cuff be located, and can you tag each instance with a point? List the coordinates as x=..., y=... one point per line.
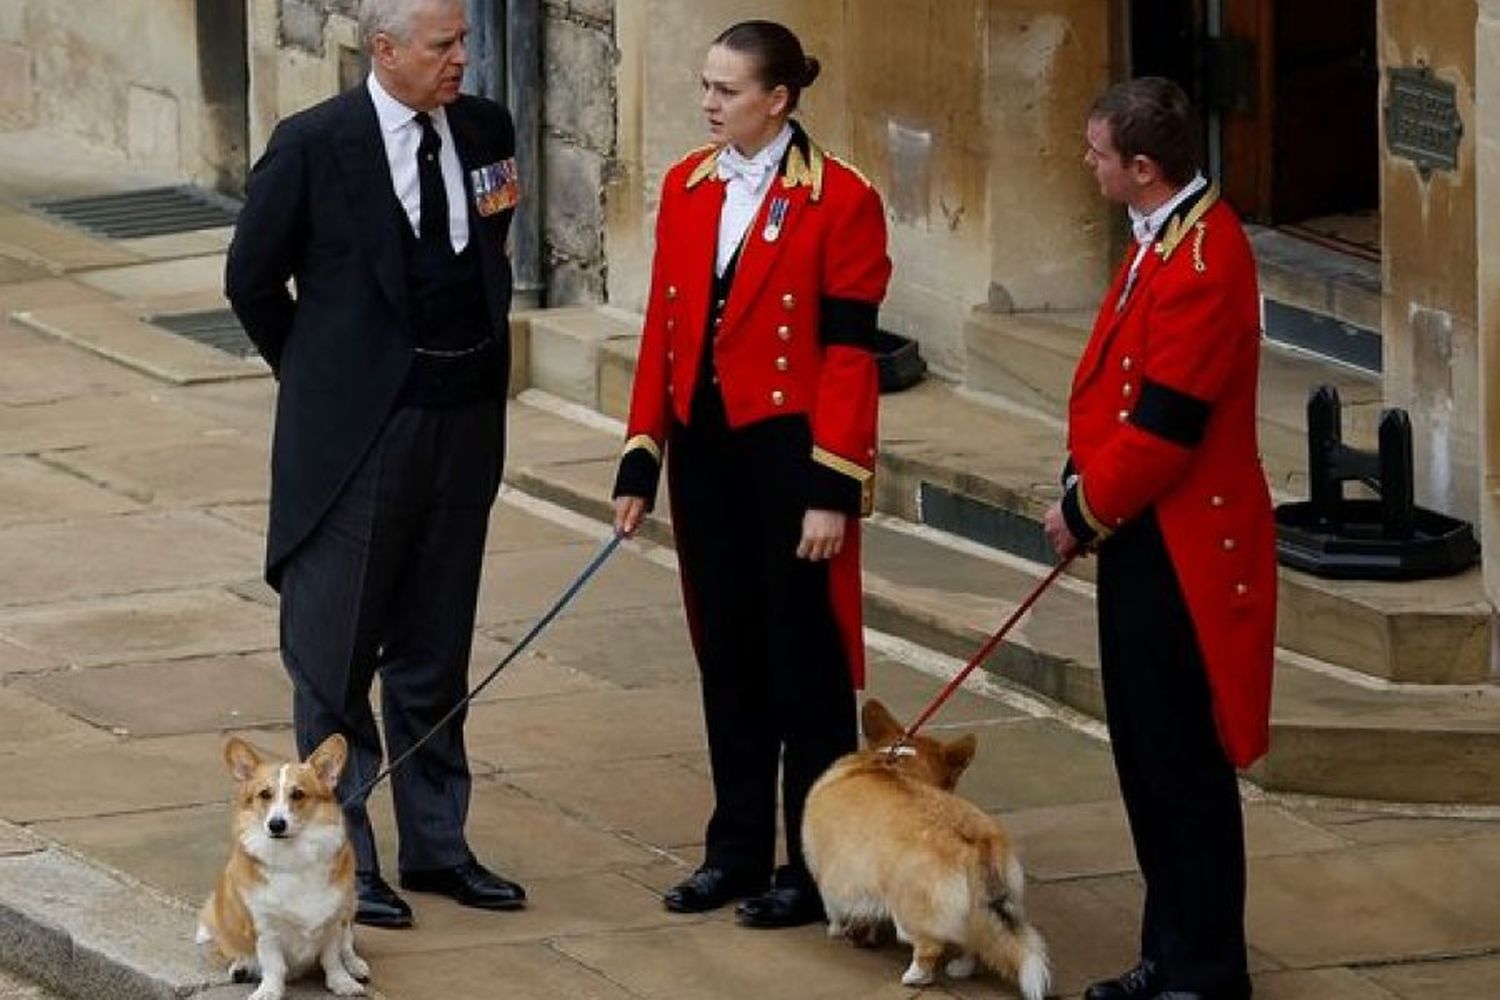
x=643, y=441
x=838, y=463
x=1100, y=528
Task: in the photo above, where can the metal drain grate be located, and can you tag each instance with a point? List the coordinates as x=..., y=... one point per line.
x=217, y=328
x=149, y=212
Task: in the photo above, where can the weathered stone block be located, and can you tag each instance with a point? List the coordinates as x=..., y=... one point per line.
x=574, y=206
x=578, y=98
x=573, y=282
x=17, y=97
x=302, y=24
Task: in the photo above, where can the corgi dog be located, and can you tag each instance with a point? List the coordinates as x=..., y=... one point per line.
x=285, y=900
x=886, y=839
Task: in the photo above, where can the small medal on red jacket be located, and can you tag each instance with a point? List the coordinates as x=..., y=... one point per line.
x=774, y=218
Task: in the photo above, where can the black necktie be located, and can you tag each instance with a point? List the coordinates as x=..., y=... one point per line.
x=433, y=224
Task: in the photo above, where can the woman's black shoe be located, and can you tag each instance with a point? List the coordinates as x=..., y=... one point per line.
x=783, y=906
x=709, y=888
x=1141, y=983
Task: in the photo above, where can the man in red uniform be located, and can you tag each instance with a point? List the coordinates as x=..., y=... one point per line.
x=1164, y=481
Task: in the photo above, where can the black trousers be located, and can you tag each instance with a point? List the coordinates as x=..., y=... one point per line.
x=1180, y=790
x=775, y=679
x=388, y=582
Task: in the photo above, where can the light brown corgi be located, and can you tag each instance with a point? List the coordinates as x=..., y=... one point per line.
x=285, y=900
x=887, y=840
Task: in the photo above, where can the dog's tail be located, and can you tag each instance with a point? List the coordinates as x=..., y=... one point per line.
x=1003, y=939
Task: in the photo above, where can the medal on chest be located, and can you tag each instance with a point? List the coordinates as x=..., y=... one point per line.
x=774, y=219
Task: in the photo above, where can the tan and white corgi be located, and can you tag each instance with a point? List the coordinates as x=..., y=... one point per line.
x=886, y=839
x=285, y=900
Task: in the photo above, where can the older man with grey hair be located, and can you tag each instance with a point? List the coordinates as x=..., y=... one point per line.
x=387, y=207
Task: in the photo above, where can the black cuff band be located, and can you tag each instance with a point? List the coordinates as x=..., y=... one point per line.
x=828, y=489
x=847, y=321
x=1170, y=414
x=1072, y=512
x=638, y=476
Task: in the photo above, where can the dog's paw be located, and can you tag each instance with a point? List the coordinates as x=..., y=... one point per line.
x=341, y=984
x=358, y=967
x=961, y=967
x=915, y=975
x=268, y=991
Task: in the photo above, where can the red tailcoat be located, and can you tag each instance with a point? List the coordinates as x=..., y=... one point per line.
x=1162, y=414
x=794, y=333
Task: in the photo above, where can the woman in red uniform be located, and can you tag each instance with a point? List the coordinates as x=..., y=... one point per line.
x=755, y=376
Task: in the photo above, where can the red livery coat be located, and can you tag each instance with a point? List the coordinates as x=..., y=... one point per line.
x=1162, y=413
x=792, y=336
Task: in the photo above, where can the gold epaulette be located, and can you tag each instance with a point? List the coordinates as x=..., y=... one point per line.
x=851, y=168
x=706, y=166
x=1180, y=225
x=804, y=170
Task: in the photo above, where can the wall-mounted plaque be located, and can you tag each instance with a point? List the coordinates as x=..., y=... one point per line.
x=1421, y=119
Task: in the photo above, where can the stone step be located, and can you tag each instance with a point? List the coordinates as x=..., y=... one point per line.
x=987, y=473
x=1028, y=358
x=1333, y=734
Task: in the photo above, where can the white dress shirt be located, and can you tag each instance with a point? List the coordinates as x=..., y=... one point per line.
x=747, y=180
x=402, y=135
x=1145, y=226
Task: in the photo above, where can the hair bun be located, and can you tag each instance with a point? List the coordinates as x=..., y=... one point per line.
x=811, y=68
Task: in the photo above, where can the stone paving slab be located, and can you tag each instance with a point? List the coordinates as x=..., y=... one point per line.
x=29, y=727
x=42, y=293
x=43, y=371
x=32, y=491
x=714, y=959
x=111, y=776
x=634, y=647
x=227, y=468
x=12, y=271
x=514, y=530
x=195, y=243
x=587, y=728
x=18, y=659
x=210, y=694
x=116, y=331
x=659, y=801
x=120, y=555
x=78, y=422
x=1458, y=979
x=1337, y=907
x=1036, y=762
x=14, y=987
x=596, y=904
x=157, y=278
x=1324, y=984
x=535, y=838
x=520, y=972
x=55, y=247
x=520, y=586
x=152, y=626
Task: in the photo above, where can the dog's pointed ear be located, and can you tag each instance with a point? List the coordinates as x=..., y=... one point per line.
x=878, y=723
x=328, y=760
x=957, y=756
x=241, y=757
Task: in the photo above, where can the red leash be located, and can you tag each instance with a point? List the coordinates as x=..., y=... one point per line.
x=986, y=649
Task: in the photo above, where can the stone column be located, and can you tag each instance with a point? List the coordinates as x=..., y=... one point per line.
x=1487, y=153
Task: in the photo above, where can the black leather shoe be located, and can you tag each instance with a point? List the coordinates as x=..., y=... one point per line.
x=709, y=888
x=378, y=904
x=468, y=884
x=1237, y=991
x=782, y=906
x=1141, y=983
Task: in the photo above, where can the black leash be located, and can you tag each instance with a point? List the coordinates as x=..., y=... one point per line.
x=605, y=551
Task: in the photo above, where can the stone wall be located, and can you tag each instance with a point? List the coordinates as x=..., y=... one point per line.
x=126, y=76
x=1428, y=224
x=967, y=115
x=578, y=146
x=1487, y=195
